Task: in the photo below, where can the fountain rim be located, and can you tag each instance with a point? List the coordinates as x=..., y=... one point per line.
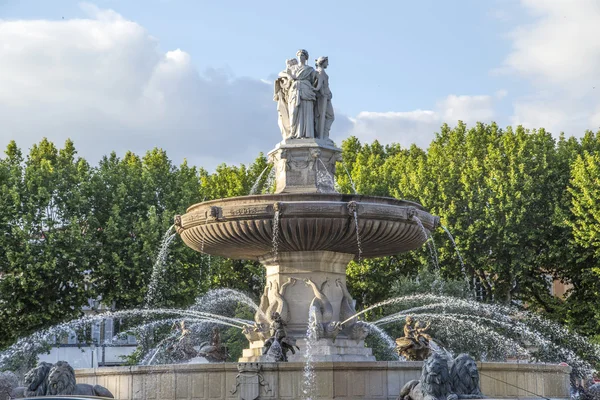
x=312, y=197
x=310, y=222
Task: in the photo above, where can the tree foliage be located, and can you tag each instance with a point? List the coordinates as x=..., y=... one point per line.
x=523, y=207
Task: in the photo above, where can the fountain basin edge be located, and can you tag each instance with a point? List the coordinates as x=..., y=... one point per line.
x=242, y=227
x=339, y=380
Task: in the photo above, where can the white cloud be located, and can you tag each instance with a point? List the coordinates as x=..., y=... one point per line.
x=419, y=126
x=103, y=82
x=559, y=53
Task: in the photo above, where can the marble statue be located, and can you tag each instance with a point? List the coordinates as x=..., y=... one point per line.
x=280, y=95
x=295, y=92
x=414, y=346
x=323, y=110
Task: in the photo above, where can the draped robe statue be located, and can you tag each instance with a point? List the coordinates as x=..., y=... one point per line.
x=295, y=90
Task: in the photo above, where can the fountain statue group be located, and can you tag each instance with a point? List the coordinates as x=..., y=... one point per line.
x=183, y=348
x=304, y=99
x=415, y=344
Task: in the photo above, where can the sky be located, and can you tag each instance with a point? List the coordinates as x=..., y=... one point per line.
x=195, y=77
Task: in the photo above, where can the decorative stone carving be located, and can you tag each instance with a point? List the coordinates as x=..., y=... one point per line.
x=278, y=207
x=177, y=221
x=214, y=351
x=36, y=380
x=261, y=316
x=256, y=332
x=278, y=345
x=414, y=345
x=438, y=382
x=326, y=328
x=9, y=386
x=52, y=380
x=435, y=383
x=61, y=381
x=354, y=329
x=352, y=208
x=464, y=376
x=215, y=213
x=182, y=349
x=411, y=212
x=249, y=381
x=279, y=305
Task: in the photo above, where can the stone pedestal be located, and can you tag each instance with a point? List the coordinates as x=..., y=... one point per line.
x=305, y=165
x=298, y=280
x=325, y=350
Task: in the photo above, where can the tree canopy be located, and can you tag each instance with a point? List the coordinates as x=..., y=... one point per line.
x=522, y=205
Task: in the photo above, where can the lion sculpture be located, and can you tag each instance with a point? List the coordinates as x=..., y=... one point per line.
x=36, y=380
x=465, y=378
x=435, y=383
x=61, y=381
x=8, y=383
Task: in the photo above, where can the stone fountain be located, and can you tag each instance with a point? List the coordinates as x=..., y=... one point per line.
x=306, y=233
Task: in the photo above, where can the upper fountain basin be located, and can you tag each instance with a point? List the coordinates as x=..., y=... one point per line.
x=242, y=227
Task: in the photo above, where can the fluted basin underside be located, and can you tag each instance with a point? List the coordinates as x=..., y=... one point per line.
x=242, y=227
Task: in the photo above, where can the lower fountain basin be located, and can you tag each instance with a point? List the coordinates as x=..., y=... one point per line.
x=341, y=380
x=242, y=227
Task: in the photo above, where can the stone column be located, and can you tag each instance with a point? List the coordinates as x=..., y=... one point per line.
x=298, y=279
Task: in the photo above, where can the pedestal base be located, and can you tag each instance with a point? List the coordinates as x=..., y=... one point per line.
x=305, y=165
x=325, y=350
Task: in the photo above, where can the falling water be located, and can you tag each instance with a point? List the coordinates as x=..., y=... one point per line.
x=389, y=342
x=270, y=182
x=555, y=342
x=275, y=240
x=36, y=342
x=159, y=267
x=432, y=250
x=215, y=299
x=462, y=264
x=254, y=188
x=358, y=243
x=350, y=178
x=325, y=180
x=309, y=384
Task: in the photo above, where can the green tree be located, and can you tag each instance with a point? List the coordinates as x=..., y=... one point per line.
x=45, y=264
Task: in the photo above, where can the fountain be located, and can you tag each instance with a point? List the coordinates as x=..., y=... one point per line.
x=305, y=234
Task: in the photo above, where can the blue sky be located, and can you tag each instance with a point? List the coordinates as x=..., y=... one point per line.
x=190, y=76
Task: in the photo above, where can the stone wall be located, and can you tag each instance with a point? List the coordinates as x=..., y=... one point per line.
x=340, y=380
